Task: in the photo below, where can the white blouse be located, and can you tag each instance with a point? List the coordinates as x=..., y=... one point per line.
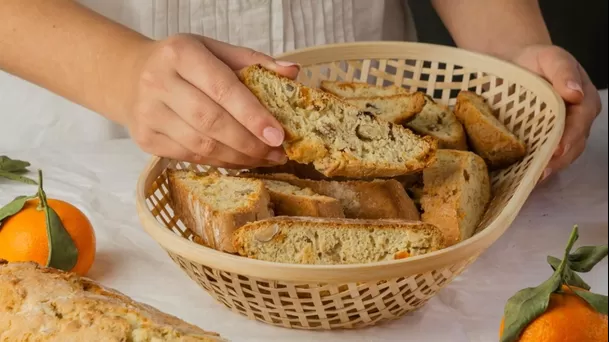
x=31, y=116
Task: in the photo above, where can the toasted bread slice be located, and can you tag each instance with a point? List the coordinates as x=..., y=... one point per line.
x=336, y=137
x=398, y=109
x=456, y=193
x=214, y=206
x=377, y=199
x=488, y=137
x=292, y=200
x=304, y=240
x=426, y=117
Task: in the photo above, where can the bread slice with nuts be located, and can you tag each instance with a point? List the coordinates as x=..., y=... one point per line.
x=398, y=109
x=377, y=199
x=45, y=304
x=304, y=240
x=336, y=137
x=456, y=193
x=213, y=206
x=428, y=117
x=488, y=137
x=292, y=200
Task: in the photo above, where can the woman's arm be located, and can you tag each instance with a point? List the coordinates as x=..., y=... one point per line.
x=72, y=51
x=496, y=27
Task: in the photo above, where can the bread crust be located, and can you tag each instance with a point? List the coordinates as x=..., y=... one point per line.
x=46, y=304
x=302, y=205
x=488, y=137
x=377, y=199
x=215, y=227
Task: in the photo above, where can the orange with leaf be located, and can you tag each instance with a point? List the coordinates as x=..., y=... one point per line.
x=561, y=309
x=47, y=231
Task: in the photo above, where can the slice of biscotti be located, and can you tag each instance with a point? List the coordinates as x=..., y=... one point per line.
x=214, y=205
x=456, y=193
x=292, y=200
x=430, y=118
x=488, y=137
x=336, y=137
x=440, y=122
x=398, y=109
x=377, y=199
x=304, y=240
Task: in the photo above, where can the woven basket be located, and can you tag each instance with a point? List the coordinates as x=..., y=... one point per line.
x=354, y=296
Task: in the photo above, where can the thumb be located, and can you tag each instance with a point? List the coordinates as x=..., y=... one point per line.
x=237, y=57
x=562, y=70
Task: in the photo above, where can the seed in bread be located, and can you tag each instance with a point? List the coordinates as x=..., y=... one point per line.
x=488, y=137
x=336, y=137
x=46, y=304
x=398, y=109
x=291, y=200
x=215, y=205
x=430, y=118
x=377, y=199
x=456, y=193
x=304, y=240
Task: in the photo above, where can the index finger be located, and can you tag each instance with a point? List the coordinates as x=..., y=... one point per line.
x=201, y=68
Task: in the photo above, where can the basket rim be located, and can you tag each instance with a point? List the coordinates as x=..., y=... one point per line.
x=350, y=273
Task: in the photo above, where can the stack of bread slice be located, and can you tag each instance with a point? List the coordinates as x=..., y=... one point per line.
x=374, y=174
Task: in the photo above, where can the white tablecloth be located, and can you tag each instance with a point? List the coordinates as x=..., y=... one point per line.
x=101, y=178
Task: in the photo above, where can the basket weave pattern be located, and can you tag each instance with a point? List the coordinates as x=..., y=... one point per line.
x=354, y=304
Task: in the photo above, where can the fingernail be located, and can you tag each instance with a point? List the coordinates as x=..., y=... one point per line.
x=546, y=174
x=273, y=136
x=566, y=149
x=558, y=152
x=287, y=64
x=277, y=157
x=575, y=86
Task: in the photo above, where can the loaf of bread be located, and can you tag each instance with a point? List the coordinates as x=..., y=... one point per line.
x=337, y=138
x=303, y=240
x=430, y=118
x=45, y=304
x=398, y=109
x=377, y=199
x=213, y=206
x=292, y=200
x=488, y=137
x=456, y=193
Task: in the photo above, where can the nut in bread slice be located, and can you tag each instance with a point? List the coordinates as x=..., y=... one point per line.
x=426, y=116
x=456, y=193
x=336, y=137
x=488, y=137
x=376, y=199
x=292, y=200
x=213, y=206
x=304, y=240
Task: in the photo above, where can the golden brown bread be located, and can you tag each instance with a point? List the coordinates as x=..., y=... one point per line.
x=212, y=206
x=488, y=137
x=45, y=304
x=306, y=240
x=337, y=138
x=292, y=200
x=377, y=199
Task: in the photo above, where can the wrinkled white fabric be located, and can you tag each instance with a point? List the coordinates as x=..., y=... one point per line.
x=100, y=179
x=37, y=117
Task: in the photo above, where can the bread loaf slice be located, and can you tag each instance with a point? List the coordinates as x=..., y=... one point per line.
x=377, y=199
x=428, y=117
x=398, y=109
x=336, y=137
x=291, y=200
x=488, y=137
x=46, y=304
x=303, y=240
x=456, y=193
x=213, y=206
